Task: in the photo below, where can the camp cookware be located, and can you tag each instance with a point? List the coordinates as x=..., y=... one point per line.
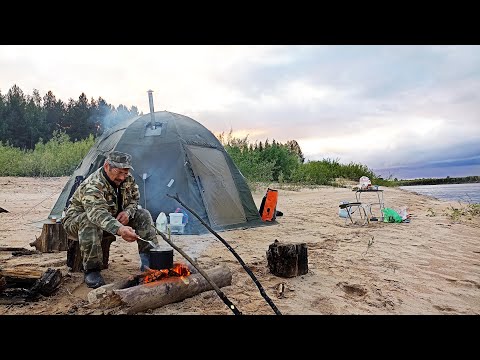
x=161, y=258
x=148, y=241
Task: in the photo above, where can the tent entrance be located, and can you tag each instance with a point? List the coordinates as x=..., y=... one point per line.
x=217, y=187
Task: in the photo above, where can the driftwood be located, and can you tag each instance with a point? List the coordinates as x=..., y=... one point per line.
x=53, y=238
x=166, y=291
x=287, y=260
x=12, y=248
x=25, y=252
x=74, y=257
x=48, y=283
x=21, y=276
x=20, y=284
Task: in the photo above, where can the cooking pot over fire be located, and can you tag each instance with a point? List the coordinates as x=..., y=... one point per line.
x=161, y=258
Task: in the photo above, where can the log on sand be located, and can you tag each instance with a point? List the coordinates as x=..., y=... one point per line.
x=166, y=291
x=12, y=248
x=40, y=281
x=21, y=275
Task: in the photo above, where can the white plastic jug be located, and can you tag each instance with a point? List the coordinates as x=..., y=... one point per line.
x=161, y=222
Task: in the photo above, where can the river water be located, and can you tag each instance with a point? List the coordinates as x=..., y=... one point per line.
x=465, y=193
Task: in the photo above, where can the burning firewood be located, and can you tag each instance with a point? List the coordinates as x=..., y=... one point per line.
x=152, y=275
x=151, y=295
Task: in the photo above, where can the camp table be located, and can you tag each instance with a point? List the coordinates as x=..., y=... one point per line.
x=380, y=203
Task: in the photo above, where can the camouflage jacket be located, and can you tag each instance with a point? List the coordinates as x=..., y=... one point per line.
x=98, y=198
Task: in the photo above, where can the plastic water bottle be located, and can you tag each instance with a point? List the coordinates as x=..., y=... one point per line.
x=161, y=222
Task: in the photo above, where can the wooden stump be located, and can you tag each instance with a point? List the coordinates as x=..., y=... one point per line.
x=53, y=238
x=74, y=257
x=3, y=283
x=287, y=260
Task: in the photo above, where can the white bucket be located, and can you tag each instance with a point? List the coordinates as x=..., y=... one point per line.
x=342, y=213
x=176, y=218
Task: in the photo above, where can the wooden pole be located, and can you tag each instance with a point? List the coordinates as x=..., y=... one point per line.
x=245, y=267
x=194, y=264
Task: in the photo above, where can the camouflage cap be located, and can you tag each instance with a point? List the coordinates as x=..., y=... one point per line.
x=120, y=159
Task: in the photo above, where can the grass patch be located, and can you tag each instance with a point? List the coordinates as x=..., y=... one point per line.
x=464, y=211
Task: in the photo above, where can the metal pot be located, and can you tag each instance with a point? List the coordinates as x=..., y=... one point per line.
x=161, y=259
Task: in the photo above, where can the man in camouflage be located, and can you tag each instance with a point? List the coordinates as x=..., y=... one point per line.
x=107, y=202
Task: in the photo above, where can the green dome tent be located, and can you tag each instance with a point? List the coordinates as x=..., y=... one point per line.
x=180, y=156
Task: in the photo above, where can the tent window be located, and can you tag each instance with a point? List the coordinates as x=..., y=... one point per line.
x=154, y=132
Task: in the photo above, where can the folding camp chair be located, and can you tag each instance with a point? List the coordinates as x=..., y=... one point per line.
x=355, y=207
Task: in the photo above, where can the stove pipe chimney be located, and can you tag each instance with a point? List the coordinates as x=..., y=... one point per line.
x=152, y=115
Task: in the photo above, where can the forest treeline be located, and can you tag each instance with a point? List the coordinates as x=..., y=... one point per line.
x=26, y=120
x=439, y=181
x=45, y=136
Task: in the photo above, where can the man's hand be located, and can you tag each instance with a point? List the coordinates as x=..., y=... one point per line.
x=123, y=218
x=127, y=233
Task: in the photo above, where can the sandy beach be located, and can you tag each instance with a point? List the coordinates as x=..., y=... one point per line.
x=430, y=265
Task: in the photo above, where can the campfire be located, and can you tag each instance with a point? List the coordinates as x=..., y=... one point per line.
x=151, y=275
x=154, y=288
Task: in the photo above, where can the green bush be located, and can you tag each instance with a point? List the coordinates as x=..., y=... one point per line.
x=265, y=163
x=58, y=157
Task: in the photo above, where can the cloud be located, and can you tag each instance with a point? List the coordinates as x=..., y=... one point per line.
x=383, y=106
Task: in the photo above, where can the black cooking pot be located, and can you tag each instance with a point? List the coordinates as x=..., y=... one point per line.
x=161, y=259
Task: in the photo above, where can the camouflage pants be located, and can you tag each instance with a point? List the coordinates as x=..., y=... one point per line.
x=90, y=236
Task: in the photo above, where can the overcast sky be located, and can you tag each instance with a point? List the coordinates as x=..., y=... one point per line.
x=405, y=111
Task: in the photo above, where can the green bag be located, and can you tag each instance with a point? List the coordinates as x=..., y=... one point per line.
x=390, y=216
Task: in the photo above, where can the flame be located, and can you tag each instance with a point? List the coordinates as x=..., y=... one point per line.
x=151, y=275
